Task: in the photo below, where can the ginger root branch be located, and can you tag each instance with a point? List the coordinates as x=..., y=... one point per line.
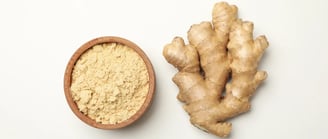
x=216, y=51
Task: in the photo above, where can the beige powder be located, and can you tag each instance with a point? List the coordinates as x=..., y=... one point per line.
x=110, y=83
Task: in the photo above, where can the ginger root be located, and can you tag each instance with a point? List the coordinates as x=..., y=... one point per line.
x=217, y=52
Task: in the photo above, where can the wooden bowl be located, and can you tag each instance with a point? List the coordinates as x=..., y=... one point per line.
x=68, y=78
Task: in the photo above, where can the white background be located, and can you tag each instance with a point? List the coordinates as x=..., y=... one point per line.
x=37, y=38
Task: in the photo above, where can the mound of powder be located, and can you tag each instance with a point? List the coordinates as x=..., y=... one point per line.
x=110, y=83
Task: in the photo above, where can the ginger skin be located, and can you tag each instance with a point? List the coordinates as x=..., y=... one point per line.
x=216, y=52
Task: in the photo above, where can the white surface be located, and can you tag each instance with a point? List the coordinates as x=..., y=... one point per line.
x=38, y=37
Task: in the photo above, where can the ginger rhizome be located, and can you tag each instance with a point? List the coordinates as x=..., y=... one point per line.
x=217, y=52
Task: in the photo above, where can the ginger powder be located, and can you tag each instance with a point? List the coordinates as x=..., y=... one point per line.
x=110, y=83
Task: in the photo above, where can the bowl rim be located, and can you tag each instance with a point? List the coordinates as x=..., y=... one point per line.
x=76, y=56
